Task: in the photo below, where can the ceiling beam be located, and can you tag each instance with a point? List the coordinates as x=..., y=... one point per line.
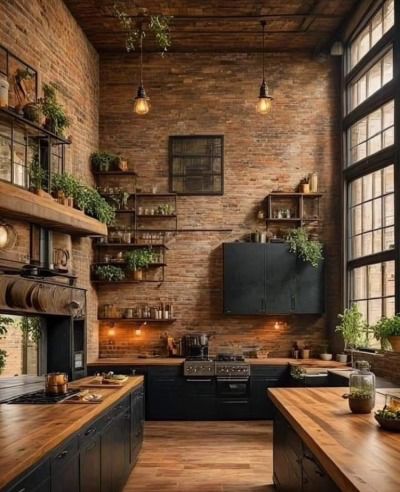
x=267, y=17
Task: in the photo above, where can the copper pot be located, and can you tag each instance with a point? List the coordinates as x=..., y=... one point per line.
x=56, y=383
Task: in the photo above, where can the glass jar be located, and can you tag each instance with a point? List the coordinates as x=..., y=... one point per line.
x=362, y=388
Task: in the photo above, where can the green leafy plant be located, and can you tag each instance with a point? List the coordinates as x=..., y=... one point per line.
x=5, y=322
x=97, y=206
x=37, y=175
x=351, y=326
x=31, y=328
x=158, y=25
x=110, y=273
x=388, y=414
x=139, y=259
x=3, y=356
x=65, y=183
x=104, y=161
x=385, y=328
x=305, y=248
x=362, y=394
x=56, y=119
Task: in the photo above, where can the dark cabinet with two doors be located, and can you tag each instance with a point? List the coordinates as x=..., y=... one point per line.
x=97, y=459
x=268, y=279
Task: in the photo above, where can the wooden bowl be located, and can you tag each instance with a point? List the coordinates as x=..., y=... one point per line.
x=388, y=424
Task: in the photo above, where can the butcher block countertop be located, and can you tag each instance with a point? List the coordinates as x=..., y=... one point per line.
x=175, y=361
x=29, y=432
x=353, y=450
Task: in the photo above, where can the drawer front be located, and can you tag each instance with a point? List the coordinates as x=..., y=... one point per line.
x=273, y=372
x=94, y=429
x=63, y=454
x=34, y=480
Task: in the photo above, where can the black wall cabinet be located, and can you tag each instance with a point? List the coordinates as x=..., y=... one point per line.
x=268, y=279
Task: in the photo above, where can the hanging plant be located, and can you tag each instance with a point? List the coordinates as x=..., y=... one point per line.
x=158, y=25
x=305, y=248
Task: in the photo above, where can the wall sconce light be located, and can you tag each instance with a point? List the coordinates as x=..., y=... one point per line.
x=138, y=331
x=277, y=325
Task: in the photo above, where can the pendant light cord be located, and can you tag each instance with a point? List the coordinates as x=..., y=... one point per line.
x=263, y=47
x=141, y=57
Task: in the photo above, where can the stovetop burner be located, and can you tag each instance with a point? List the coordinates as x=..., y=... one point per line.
x=40, y=398
x=199, y=358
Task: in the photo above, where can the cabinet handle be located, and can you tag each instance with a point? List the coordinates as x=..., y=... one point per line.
x=62, y=455
x=292, y=302
x=91, y=430
x=199, y=380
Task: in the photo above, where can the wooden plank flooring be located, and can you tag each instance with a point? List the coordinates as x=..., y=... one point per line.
x=204, y=457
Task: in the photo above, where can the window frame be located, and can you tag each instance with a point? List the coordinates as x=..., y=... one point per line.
x=382, y=158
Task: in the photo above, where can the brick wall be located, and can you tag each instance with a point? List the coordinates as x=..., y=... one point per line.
x=45, y=35
x=216, y=94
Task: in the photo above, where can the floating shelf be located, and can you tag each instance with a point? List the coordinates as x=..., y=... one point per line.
x=288, y=195
x=125, y=211
x=119, y=282
x=155, y=195
x=131, y=245
x=148, y=216
x=123, y=263
x=114, y=173
x=137, y=320
x=21, y=204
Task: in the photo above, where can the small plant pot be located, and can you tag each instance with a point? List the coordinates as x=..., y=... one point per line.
x=395, y=343
x=70, y=201
x=341, y=358
x=326, y=356
x=304, y=354
x=42, y=193
x=138, y=275
x=361, y=405
x=32, y=112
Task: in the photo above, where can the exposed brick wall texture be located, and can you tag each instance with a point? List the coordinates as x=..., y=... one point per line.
x=45, y=35
x=216, y=94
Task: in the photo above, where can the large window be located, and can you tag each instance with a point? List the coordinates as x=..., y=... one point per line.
x=370, y=164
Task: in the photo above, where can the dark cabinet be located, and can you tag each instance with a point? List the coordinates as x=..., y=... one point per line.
x=244, y=278
x=137, y=423
x=90, y=464
x=262, y=378
x=37, y=480
x=199, y=394
x=268, y=279
x=315, y=478
x=65, y=468
x=165, y=389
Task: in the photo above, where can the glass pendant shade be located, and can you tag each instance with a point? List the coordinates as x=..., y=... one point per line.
x=141, y=104
x=264, y=103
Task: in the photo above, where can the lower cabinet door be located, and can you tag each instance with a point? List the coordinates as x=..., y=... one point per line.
x=66, y=477
x=137, y=424
x=233, y=409
x=261, y=405
x=90, y=463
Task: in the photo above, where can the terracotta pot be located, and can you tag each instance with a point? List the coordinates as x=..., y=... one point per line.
x=42, y=193
x=395, y=343
x=138, y=275
x=305, y=354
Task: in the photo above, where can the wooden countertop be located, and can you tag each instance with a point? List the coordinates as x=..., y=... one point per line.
x=172, y=361
x=29, y=432
x=355, y=452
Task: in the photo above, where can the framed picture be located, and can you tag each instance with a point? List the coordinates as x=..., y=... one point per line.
x=196, y=164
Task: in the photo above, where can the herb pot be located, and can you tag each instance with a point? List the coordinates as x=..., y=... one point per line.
x=395, y=343
x=305, y=354
x=326, y=356
x=360, y=405
x=32, y=112
x=138, y=275
x=341, y=358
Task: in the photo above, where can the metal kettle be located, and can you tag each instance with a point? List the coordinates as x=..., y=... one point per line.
x=56, y=383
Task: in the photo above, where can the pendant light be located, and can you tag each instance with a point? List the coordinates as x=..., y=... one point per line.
x=264, y=103
x=142, y=102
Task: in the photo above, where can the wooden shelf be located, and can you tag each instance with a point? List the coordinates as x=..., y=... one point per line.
x=291, y=220
x=137, y=320
x=148, y=216
x=133, y=245
x=288, y=195
x=20, y=204
x=132, y=211
x=114, y=173
x=124, y=264
x=155, y=195
x=127, y=281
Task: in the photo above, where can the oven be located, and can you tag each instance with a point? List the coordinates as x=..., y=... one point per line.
x=233, y=398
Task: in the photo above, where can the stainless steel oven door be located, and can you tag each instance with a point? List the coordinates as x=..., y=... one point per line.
x=233, y=387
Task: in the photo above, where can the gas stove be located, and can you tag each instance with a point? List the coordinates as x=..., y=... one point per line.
x=224, y=366
x=40, y=398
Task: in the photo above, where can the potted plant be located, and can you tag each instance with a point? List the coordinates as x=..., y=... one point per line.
x=361, y=400
x=109, y=273
x=387, y=330
x=308, y=250
x=96, y=206
x=325, y=354
x=64, y=187
x=104, y=161
x=351, y=326
x=56, y=119
x=38, y=178
x=138, y=260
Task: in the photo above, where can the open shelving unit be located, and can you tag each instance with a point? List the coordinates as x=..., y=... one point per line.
x=304, y=208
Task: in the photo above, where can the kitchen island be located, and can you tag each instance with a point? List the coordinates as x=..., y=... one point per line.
x=70, y=447
x=320, y=445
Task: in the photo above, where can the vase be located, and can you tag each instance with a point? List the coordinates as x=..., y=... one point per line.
x=395, y=343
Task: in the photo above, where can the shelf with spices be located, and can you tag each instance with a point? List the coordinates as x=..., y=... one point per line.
x=156, y=311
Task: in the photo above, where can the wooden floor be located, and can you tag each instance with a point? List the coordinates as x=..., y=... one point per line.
x=204, y=457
